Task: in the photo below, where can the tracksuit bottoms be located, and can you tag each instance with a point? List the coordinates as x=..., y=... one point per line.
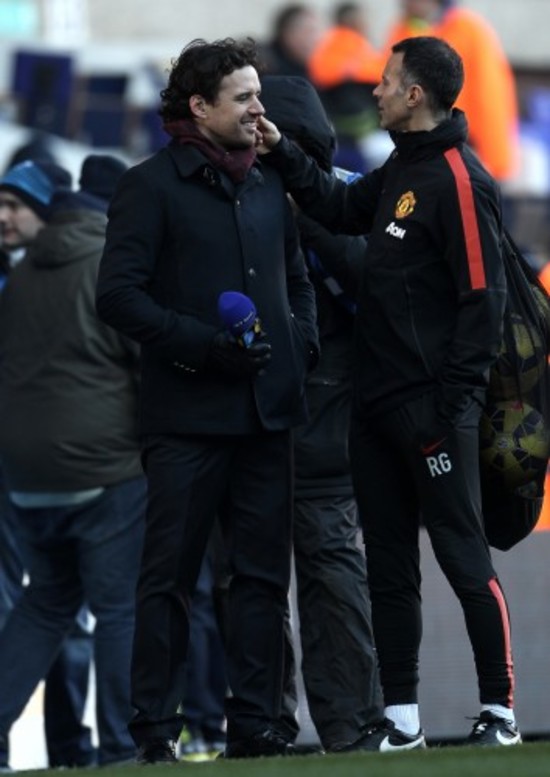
x=405, y=477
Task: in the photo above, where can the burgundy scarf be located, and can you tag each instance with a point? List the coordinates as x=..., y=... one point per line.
x=235, y=163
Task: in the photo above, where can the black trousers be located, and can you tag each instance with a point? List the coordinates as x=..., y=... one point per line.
x=397, y=483
x=246, y=480
x=339, y=661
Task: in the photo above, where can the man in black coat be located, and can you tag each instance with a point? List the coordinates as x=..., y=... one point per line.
x=199, y=218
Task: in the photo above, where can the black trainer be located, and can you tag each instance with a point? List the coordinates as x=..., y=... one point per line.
x=491, y=730
x=157, y=751
x=268, y=742
x=384, y=738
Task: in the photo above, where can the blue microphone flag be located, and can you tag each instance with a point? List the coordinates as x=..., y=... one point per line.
x=238, y=315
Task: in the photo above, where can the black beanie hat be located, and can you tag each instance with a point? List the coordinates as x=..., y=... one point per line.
x=294, y=105
x=100, y=174
x=38, y=148
x=35, y=183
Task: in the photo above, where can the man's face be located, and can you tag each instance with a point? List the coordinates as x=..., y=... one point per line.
x=393, y=109
x=19, y=224
x=231, y=121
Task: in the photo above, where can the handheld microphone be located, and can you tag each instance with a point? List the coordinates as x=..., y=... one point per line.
x=239, y=317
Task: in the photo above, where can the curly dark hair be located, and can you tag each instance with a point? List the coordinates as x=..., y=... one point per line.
x=199, y=69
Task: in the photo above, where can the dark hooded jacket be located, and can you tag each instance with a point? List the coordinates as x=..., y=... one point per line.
x=334, y=263
x=68, y=383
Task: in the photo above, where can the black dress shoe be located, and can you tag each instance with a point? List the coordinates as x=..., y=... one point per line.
x=157, y=751
x=263, y=743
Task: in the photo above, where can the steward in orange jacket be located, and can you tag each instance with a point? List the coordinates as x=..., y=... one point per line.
x=341, y=55
x=345, y=68
x=489, y=94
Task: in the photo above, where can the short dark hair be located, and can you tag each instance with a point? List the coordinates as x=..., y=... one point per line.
x=343, y=11
x=199, y=69
x=435, y=66
x=286, y=17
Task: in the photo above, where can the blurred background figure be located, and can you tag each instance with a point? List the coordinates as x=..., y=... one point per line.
x=22, y=217
x=26, y=190
x=339, y=663
x=345, y=67
x=71, y=464
x=489, y=94
x=295, y=31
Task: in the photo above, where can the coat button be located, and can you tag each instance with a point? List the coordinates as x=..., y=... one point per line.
x=252, y=272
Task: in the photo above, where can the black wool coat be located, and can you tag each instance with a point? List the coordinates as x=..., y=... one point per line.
x=180, y=233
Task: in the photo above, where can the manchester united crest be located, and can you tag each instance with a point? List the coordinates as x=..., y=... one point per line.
x=405, y=205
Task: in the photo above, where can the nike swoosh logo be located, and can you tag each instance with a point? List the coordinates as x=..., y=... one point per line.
x=514, y=740
x=427, y=449
x=387, y=747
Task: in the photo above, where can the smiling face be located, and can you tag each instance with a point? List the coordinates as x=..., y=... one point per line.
x=231, y=121
x=394, y=104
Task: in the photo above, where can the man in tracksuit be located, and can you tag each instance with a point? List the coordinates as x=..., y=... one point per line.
x=429, y=325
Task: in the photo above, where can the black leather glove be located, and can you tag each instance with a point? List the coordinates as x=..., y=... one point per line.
x=229, y=357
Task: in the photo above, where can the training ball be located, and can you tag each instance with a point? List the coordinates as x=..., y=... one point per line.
x=514, y=443
x=519, y=370
x=542, y=302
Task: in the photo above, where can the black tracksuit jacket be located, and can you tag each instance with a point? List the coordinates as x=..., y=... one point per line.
x=433, y=290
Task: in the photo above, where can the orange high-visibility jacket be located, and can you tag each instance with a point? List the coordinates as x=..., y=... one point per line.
x=344, y=55
x=544, y=277
x=544, y=520
x=489, y=95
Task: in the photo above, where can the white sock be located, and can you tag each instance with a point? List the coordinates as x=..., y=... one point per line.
x=500, y=711
x=405, y=717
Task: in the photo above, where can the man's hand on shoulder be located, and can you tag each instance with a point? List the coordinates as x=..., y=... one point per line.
x=267, y=136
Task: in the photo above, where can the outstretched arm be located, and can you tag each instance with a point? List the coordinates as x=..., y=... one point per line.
x=340, y=207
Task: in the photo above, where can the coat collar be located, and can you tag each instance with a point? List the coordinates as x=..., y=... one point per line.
x=189, y=161
x=419, y=145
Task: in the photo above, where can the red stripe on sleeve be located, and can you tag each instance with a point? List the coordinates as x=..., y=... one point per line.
x=469, y=219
